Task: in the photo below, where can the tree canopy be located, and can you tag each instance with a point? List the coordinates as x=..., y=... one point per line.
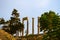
x=14, y=24
x=50, y=23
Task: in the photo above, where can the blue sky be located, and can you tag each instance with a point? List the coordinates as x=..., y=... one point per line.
x=29, y=8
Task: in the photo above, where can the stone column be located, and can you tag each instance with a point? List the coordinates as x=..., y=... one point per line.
x=38, y=25
x=32, y=25
x=22, y=32
x=25, y=18
x=23, y=28
x=27, y=27
x=17, y=33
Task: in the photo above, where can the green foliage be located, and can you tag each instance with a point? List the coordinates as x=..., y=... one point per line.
x=2, y=20
x=14, y=24
x=50, y=22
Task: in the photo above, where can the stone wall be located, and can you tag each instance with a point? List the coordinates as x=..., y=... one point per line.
x=30, y=37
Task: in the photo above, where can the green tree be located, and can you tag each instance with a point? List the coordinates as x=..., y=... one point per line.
x=50, y=23
x=2, y=21
x=14, y=23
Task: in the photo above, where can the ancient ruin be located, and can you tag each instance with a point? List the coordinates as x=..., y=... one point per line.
x=33, y=36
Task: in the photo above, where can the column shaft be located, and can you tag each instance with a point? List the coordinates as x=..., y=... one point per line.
x=32, y=25
x=23, y=28
x=38, y=25
x=27, y=27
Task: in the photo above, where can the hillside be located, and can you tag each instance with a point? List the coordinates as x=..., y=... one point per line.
x=5, y=36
